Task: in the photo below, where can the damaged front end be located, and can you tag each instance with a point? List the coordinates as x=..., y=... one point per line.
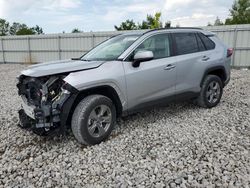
x=43, y=99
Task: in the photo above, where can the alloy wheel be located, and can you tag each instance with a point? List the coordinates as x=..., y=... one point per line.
x=99, y=120
x=213, y=92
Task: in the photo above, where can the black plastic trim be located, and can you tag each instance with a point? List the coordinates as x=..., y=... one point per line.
x=70, y=88
x=215, y=68
x=65, y=112
x=171, y=28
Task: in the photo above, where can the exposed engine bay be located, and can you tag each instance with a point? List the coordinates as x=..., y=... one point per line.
x=43, y=98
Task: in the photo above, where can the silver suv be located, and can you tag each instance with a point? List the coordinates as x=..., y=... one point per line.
x=123, y=75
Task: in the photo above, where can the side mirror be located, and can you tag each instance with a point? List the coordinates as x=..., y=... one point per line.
x=142, y=56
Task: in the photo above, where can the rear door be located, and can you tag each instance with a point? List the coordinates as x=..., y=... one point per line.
x=192, y=60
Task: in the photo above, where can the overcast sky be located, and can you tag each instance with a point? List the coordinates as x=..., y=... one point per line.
x=55, y=16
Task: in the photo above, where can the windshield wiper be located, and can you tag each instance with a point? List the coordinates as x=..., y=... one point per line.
x=84, y=60
x=75, y=58
x=79, y=59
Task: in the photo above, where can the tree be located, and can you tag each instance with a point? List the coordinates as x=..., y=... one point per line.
x=168, y=24
x=38, y=30
x=18, y=29
x=14, y=28
x=76, y=30
x=240, y=13
x=143, y=25
x=209, y=24
x=152, y=22
x=218, y=22
x=24, y=30
x=127, y=25
x=4, y=27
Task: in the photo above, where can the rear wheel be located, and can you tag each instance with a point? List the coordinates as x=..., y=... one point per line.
x=93, y=119
x=211, y=92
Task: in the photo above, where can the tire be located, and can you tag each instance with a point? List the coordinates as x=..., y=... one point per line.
x=209, y=96
x=88, y=124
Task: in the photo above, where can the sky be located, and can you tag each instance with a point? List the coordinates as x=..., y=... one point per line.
x=56, y=16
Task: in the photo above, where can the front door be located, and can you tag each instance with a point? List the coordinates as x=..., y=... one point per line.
x=152, y=80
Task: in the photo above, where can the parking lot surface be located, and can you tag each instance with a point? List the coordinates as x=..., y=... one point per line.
x=177, y=145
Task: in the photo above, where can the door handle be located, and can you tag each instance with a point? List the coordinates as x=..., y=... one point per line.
x=205, y=58
x=169, y=67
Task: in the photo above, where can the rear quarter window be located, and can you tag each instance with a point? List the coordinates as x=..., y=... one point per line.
x=209, y=44
x=200, y=44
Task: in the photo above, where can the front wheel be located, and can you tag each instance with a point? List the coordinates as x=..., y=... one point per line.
x=93, y=119
x=211, y=92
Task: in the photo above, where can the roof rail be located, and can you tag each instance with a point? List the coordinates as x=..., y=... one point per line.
x=198, y=28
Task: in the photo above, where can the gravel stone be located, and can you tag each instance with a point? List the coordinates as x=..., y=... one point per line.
x=180, y=145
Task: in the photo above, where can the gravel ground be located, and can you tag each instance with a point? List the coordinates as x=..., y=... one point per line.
x=179, y=145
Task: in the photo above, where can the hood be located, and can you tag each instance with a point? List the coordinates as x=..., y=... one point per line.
x=57, y=67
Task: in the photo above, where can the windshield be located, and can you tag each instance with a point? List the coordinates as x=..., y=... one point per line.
x=110, y=49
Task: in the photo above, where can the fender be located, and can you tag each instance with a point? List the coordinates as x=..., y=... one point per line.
x=76, y=96
x=110, y=85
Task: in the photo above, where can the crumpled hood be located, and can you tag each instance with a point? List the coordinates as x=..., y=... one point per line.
x=56, y=67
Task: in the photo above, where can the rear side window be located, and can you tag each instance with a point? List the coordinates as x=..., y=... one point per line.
x=186, y=43
x=200, y=44
x=209, y=44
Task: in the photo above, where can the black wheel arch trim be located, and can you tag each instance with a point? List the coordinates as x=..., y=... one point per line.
x=70, y=104
x=215, y=68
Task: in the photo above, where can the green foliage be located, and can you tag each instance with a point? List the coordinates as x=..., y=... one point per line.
x=127, y=25
x=25, y=31
x=22, y=29
x=76, y=30
x=18, y=29
x=151, y=22
x=4, y=27
x=15, y=27
x=240, y=13
x=218, y=22
x=38, y=30
x=155, y=21
x=168, y=24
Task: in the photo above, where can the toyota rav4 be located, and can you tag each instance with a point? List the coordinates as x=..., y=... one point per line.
x=124, y=74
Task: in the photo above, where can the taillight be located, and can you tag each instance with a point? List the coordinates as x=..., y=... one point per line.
x=230, y=52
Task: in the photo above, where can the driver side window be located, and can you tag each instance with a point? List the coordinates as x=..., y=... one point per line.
x=158, y=44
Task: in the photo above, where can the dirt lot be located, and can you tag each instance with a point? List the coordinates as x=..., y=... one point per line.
x=179, y=145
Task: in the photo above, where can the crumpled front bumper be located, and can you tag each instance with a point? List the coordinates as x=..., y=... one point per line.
x=28, y=109
x=45, y=116
x=25, y=120
x=41, y=109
